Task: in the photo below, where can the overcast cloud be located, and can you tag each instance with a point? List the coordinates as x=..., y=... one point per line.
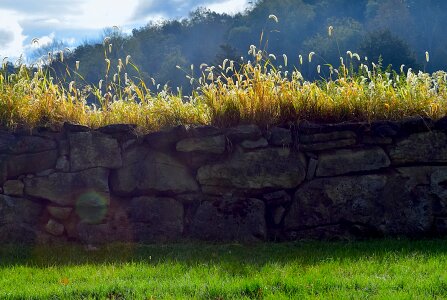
x=75, y=21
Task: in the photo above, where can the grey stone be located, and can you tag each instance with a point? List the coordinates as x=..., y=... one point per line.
x=266, y=168
x=278, y=214
x=420, y=147
x=327, y=145
x=71, y=127
x=249, y=144
x=277, y=198
x=13, y=188
x=117, y=128
x=210, y=144
x=30, y=144
x=14, y=210
x=230, y=219
x=280, y=137
x=54, y=227
x=345, y=161
x=156, y=219
x=311, y=168
x=325, y=137
x=146, y=170
x=59, y=213
x=46, y=172
x=93, y=149
x=63, y=164
x=166, y=138
x=64, y=148
x=66, y=189
x=392, y=204
x=30, y=163
x=243, y=132
x=376, y=140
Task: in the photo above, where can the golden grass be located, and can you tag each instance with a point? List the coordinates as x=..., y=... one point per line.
x=255, y=92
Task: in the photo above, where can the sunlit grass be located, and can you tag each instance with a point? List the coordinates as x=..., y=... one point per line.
x=372, y=269
x=257, y=91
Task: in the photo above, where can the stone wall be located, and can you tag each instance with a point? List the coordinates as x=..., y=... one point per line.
x=308, y=181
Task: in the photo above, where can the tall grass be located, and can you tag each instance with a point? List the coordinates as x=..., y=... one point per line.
x=259, y=91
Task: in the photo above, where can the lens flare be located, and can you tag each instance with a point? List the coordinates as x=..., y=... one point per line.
x=92, y=207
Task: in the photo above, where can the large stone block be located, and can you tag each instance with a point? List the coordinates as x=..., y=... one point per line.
x=424, y=147
x=345, y=161
x=209, y=144
x=93, y=149
x=147, y=171
x=29, y=163
x=66, y=189
x=156, y=219
x=230, y=219
x=267, y=168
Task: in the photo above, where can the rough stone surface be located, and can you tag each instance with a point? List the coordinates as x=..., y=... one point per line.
x=18, y=220
x=166, y=138
x=146, y=170
x=66, y=188
x=393, y=204
x=28, y=144
x=63, y=164
x=420, y=147
x=156, y=219
x=311, y=168
x=280, y=137
x=267, y=168
x=92, y=149
x=376, y=140
x=277, y=198
x=327, y=145
x=347, y=161
x=324, y=137
x=13, y=188
x=244, y=132
x=249, y=145
x=59, y=213
x=54, y=227
x=30, y=163
x=229, y=219
x=211, y=144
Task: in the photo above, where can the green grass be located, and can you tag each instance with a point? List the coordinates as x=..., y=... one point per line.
x=384, y=269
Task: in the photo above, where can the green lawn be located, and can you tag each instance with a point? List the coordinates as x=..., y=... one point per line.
x=388, y=269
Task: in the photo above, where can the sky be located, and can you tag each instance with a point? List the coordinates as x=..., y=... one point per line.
x=28, y=24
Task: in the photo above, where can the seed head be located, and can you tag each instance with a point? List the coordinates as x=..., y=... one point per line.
x=274, y=18
x=310, y=56
x=427, y=56
x=329, y=30
x=77, y=65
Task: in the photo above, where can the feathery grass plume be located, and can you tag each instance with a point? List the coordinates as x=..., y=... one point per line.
x=311, y=54
x=329, y=30
x=285, y=59
x=318, y=69
x=77, y=65
x=402, y=68
x=274, y=18
x=427, y=56
x=128, y=57
x=301, y=59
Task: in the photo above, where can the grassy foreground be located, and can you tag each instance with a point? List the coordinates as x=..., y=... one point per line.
x=387, y=269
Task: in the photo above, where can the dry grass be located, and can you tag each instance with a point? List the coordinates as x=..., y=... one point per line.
x=256, y=91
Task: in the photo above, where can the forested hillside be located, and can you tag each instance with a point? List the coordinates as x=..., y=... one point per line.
x=398, y=31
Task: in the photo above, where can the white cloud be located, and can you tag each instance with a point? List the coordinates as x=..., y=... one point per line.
x=12, y=47
x=79, y=20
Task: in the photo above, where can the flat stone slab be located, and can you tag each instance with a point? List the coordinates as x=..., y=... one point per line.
x=93, y=149
x=209, y=144
x=338, y=162
x=146, y=170
x=66, y=189
x=428, y=147
x=266, y=168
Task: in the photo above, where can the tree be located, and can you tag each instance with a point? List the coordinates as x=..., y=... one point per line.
x=393, y=50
